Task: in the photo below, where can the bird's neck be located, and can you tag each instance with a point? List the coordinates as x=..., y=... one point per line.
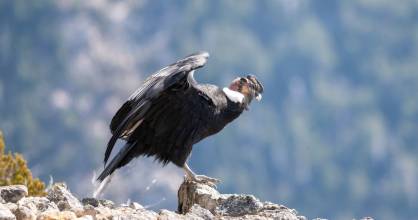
x=233, y=96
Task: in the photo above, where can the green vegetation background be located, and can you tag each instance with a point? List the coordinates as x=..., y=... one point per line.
x=335, y=136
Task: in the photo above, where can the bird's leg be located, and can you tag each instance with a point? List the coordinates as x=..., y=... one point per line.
x=190, y=175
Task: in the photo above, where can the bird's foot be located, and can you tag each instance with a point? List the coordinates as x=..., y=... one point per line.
x=204, y=180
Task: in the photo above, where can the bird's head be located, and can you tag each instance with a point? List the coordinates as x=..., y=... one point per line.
x=245, y=89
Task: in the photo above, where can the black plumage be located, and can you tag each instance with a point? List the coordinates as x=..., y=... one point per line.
x=171, y=112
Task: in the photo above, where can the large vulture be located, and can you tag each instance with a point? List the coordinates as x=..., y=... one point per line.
x=171, y=112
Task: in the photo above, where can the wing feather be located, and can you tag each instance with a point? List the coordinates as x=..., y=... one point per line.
x=176, y=75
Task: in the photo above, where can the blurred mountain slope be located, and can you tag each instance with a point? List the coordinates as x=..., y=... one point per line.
x=337, y=126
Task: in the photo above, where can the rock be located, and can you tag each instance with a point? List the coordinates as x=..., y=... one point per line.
x=191, y=193
x=36, y=204
x=238, y=205
x=90, y=201
x=62, y=197
x=24, y=213
x=13, y=193
x=86, y=217
x=194, y=198
x=96, y=202
x=56, y=215
x=104, y=213
x=283, y=214
x=5, y=213
x=30, y=207
x=88, y=210
x=129, y=213
x=123, y=213
x=149, y=215
x=198, y=212
x=107, y=203
x=196, y=201
x=167, y=215
x=135, y=205
x=11, y=206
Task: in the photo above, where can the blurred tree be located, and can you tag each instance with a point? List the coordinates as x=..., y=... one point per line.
x=14, y=171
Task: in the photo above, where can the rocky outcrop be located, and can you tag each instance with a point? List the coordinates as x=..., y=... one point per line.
x=196, y=201
x=229, y=206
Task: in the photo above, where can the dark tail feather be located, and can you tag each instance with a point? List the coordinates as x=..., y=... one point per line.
x=109, y=148
x=122, y=158
x=134, y=115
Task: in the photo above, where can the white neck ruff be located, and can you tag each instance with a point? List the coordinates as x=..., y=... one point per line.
x=234, y=96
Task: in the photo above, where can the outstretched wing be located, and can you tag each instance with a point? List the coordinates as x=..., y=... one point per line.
x=175, y=76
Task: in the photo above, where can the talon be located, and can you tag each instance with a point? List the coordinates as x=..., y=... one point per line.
x=190, y=175
x=203, y=179
x=206, y=180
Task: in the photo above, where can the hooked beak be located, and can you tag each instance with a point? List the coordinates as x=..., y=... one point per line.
x=256, y=86
x=258, y=97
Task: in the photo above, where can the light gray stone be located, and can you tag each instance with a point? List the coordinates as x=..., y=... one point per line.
x=13, y=193
x=85, y=217
x=31, y=207
x=88, y=210
x=168, y=215
x=191, y=193
x=11, y=206
x=91, y=201
x=5, y=213
x=198, y=212
x=62, y=197
x=135, y=205
x=238, y=205
x=56, y=214
x=122, y=213
x=107, y=203
x=37, y=204
x=24, y=213
x=149, y=215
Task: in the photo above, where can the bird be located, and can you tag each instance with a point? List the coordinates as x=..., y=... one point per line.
x=171, y=112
